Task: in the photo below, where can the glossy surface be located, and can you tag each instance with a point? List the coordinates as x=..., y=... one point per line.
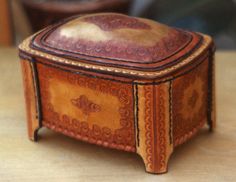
x=106, y=35
x=118, y=40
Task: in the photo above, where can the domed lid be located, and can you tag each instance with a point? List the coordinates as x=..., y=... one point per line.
x=117, y=41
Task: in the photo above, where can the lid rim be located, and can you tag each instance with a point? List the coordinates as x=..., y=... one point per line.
x=207, y=42
x=89, y=59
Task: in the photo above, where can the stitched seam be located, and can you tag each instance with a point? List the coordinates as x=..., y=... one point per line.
x=139, y=83
x=25, y=47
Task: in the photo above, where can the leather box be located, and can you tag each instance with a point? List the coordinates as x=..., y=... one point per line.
x=125, y=83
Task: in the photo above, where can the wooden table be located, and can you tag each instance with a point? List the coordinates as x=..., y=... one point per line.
x=207, y=157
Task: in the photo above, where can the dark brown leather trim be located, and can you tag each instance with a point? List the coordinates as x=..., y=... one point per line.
x=127, y=78
x=131, y=66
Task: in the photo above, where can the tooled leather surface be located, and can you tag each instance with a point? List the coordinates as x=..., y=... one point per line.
x=155, y=116
x=118, y=37
x=118, y=40
x=115, y=21
x=84, y=104
x=120, y=135
x=190, y=103
x=149, y=135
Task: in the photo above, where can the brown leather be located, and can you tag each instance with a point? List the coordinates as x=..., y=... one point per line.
x=97, y=111
x=148, y=112
x=118, y=41
x=32, y=110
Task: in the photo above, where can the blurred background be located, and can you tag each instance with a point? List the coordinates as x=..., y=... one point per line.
x=21, y=18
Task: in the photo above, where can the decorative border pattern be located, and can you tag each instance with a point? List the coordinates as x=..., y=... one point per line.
x=25, y=47
x=122, y=138
x=124, y=52
x=111, y=21
x=116, y=79
x=148, y=93
x=161, y=132
x=155, y=127
x=39, y=43
x=187, y=123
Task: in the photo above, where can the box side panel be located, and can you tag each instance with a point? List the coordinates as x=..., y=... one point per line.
x=190, y=102
x=91, y=109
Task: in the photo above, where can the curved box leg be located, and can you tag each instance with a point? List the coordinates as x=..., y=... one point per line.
x=33, y=121
x=154, y=140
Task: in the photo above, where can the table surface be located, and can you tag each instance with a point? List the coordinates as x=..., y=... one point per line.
x=207, y=157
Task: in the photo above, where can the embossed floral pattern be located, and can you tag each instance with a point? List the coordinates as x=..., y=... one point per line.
x=121, y=138
x=190, y=102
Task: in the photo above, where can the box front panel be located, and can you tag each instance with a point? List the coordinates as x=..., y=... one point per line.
x=190, y=102
x=91, y=109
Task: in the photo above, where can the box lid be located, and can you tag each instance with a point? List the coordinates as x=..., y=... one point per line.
x=111, y=42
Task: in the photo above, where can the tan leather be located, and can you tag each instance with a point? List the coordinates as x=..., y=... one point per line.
x=148, y=112
x=90, y=109
x=155, y=141
x=32, y=110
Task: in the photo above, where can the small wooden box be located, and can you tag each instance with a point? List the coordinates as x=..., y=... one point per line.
x=120, y=82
